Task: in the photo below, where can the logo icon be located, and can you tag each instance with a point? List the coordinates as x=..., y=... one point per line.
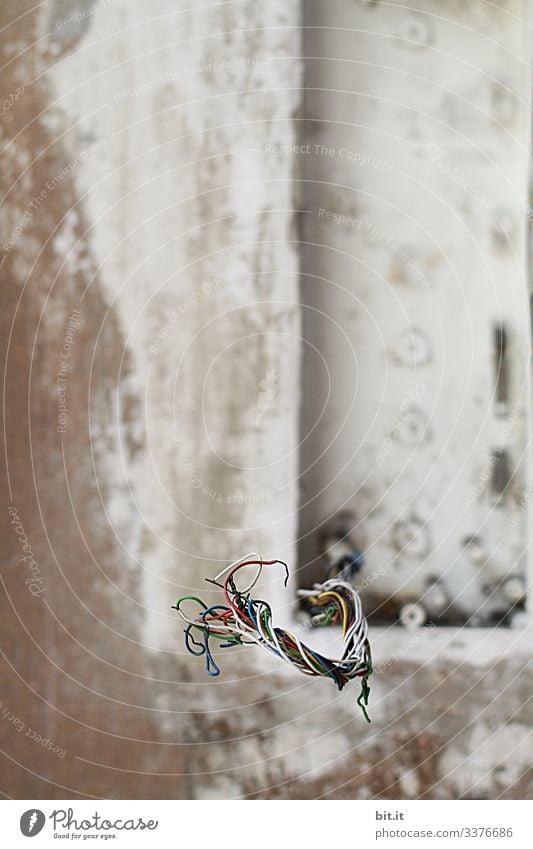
x=32, y=822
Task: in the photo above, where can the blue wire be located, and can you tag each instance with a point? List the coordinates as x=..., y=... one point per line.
x=209, y=662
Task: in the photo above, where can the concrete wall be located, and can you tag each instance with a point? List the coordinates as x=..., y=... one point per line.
x=152, y=336
x=150, y=279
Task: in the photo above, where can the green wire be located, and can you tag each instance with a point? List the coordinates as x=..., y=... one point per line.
x=362, y=699
x=190, y=598
x=235, y=640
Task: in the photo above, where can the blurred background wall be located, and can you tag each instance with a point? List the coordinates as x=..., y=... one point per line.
x=415, y=295
x=152, y=225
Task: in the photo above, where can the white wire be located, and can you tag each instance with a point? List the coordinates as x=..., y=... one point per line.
x=253, y=555
x=355, y=640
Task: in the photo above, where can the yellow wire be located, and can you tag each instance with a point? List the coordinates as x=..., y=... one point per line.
x=342, y=605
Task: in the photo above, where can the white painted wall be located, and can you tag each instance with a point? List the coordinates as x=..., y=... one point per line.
x=415, y=223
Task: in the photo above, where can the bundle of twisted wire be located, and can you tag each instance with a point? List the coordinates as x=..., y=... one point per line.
x=246, y=620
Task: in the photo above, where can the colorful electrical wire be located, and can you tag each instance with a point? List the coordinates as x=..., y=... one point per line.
x=245, y=620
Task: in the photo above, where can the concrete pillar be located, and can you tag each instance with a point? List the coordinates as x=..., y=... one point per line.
x=150, y=275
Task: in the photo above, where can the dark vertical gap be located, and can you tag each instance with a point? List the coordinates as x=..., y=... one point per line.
x=501, y=366
x=501, y=474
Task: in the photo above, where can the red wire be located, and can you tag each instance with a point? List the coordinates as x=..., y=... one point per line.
x=231, y=574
